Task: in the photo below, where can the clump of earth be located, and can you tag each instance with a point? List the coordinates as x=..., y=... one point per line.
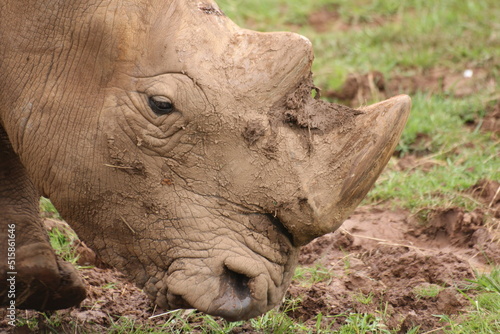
x=358, y=88
x=382, y=261
x=379, y=262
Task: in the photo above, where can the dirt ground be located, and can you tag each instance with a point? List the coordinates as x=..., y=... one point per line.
x=377, y=263
x=358, y=88
x=382, y=259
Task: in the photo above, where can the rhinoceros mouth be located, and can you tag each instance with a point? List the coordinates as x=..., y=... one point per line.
x=235, y=302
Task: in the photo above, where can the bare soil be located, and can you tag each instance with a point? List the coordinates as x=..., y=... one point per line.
x=377, y=263
x=329, y=19
x=381, y=259
x=360, y=88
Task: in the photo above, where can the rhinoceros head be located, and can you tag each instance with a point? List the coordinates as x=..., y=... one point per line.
x=188, y=152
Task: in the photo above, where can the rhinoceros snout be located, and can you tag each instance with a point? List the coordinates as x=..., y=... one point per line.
x=242, y=297
x=235, y=301
x=235, y=297
x=237, y=278
x=232, y=295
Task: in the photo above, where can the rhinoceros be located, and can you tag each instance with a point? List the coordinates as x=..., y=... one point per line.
x=191, y=154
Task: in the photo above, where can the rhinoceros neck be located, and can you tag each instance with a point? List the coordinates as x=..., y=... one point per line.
x=54, y=65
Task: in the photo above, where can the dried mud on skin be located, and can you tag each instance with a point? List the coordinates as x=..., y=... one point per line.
x=377, y=254
x=313, y=114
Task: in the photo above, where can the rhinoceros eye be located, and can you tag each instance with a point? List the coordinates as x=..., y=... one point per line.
x=161, y=105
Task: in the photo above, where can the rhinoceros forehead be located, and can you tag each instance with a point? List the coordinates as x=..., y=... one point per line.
x=155, y=37
x=196, y=39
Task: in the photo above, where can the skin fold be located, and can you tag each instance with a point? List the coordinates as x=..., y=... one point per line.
x=185, y=150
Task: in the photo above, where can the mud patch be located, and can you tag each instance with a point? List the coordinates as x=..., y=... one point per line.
x=109, y=297
x=314, y=114
x=359, y=89
x=491, y=121
x=382, y=261
x=329, y=19
x=326, y=19
x=445, y=227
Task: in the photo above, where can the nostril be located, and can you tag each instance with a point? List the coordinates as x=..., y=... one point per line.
x=235, y=283
x=235, y=299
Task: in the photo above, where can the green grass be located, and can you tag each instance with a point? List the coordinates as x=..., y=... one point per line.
x=362, y=298
x=357, y=323
x=48, y=210
x=484, y=312
x=489, y=283
x=427, y=291
x=461, y=156
x=63, y=244
x=386, y=35
x=308, y=276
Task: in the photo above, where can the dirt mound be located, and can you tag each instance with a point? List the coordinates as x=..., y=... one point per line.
x=359, y=89
x=387, y=263
x=449, y=227
x=329, y=19
x=491, y=122
x=109, y=297
x=488, y=192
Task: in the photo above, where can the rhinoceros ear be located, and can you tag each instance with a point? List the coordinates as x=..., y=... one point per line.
x=161, y=105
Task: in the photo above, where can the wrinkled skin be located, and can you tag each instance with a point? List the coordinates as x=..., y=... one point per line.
x=205, y=198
